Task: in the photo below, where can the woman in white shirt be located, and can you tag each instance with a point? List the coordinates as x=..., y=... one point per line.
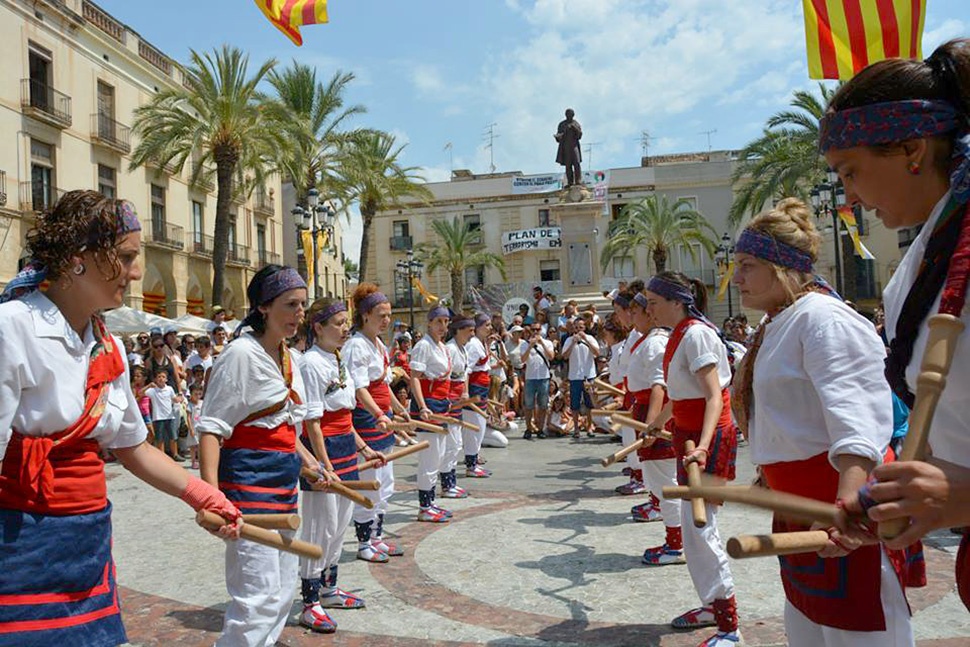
x=65, y=394
x=430, y=392
x=618, y=377
x=367, y=359
x=253, y=404
x=462, y=331
x=329, y=433
x=897, y=135
x=480, y=360
x=817, y=412
x=698, y=374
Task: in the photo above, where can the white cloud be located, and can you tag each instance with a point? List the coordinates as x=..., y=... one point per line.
x=950, y=28
x=427, y=79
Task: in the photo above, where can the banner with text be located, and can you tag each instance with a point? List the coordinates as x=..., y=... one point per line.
x=525, y=184
x=525, y=240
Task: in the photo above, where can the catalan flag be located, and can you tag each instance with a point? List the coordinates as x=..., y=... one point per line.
x=848, y=217
x=725, y=281
x=289, y=15
x=844, y=36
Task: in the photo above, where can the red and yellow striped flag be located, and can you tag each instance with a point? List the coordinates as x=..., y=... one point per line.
x=844, y=36
x=289, y=15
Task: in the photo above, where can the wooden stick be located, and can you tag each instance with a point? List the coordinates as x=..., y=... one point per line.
x=694, y=481
x=944, y=331
x=453, y=421
x=782, y=543
x=362, y=485
x=496, y=403
x=273, y=521
x=642, y=426
x=212, y=521
x=792, y=506
x=476, y=409
x=400, y=453
x=400, y=426
x=427, y=426
x=616, y=428
x=607, y=412
x=336, y=488
x=629, y=449
x=609, y=388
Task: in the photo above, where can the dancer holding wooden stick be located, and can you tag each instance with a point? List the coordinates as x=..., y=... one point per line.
x=367, y=360
x=329, y=433
x=65, y=393
x=430, y=390
x=479, y=365
x=812, y=399
x=897, y=134
x=619, y=336
x=697, y=374
x=462, y=330
x=254, y=401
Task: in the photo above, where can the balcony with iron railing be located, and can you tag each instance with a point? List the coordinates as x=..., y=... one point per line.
x=3, y=188
x=202, y=244
x=166, y=234
x=110, y=133
x=35, y=197
x=41, y=101
x=401, y=243
x=264, y=203
x=238, y=255
x=267, y=258
x=103, y=21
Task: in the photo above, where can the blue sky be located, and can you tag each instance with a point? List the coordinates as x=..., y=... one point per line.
x=439, y=71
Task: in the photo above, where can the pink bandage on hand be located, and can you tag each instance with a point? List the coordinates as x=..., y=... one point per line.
x=202, y=496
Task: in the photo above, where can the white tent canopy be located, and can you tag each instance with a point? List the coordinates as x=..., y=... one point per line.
x=128, y=321
x=194, y=323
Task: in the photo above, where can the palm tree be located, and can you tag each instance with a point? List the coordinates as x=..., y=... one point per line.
x=657, y=225
x=321, y=149
x=219, y=117
x=457, y=249
x=784, y=161
x=373, y=176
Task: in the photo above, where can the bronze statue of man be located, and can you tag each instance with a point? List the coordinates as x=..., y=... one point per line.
x=568, y=135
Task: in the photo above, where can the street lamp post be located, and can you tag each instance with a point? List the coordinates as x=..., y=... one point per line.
x=410, y=270
x=827, y=197
x=317, y=218
x=724, y=252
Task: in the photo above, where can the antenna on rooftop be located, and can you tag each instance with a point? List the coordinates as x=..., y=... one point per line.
x=644, y=140
x=589, y=153
x=489, y=138
x=451, y=155
x=708, y=133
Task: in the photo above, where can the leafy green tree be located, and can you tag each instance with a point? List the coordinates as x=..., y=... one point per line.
x=657, y=225
x=784, y=161
x=457, y=248
x=218, y=119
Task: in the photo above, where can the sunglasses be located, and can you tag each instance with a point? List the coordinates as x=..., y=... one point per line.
x=158, y=345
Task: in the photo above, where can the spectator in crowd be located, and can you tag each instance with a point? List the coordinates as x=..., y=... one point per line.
x=542, y=303
x=581, y=350
x=400, y=355
x=201, y=356
x=515, y=345
x=196, y=376
x=134, y=358
x=159, y=360
x=560, y=421
x=218, y=317
x=172, y=352
x=537, y=358
x=187, y=347
x=400, y=329
x=139, y=386
x=524, y=313
x=742, y=319
x=164, y=399
x=194, y=410
x=218, y=340
x=143, y=344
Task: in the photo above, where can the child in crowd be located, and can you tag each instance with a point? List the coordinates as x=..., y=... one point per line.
x=164, y=399
x=194, y=413
x=138, y=387
x=560, y=422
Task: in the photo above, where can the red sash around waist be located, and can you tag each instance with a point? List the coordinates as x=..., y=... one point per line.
x=336, y=423
x=479, y=378
x=436, y=389
x=381, y=393
x=689, y=414
x=640, y=397
x=457, y=390
x=281, y=438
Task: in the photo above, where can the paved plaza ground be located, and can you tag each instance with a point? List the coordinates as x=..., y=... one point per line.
x=544, y=554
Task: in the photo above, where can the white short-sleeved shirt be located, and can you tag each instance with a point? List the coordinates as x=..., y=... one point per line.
x=616, y=352
x=459, y=360
x=646, y=366
x=43, y=373
x=321, y=378
x=819, y=386
x=195, y=359
x=623, y=360
x=699, y=347
x=244, y=380
x=515, y=350
x=431, y=359
x=366, y=361
x=537, y=368
x=582, y=362
x=163, y=405
x=950, y=429
x=478, y=357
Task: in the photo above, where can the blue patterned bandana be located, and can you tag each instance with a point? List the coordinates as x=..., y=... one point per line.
x=768, y=248
x=894, y=122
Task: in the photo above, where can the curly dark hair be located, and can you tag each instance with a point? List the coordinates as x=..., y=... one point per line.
x=81, y=221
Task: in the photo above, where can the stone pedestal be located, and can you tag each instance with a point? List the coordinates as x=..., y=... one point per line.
x=583, y=229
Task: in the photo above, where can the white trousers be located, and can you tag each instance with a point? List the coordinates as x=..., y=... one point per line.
x=657, y=475
x=385, y=477
x=325, y=518
x=454, y=443
x=472, y=440
x=429, y=460
x=802, y=632
x=495, y=438
x=628, y=436
x=706, y=559
x=262, y=584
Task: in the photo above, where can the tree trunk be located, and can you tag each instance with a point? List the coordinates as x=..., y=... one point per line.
x=659, y=259
x=457, y=291
x=225, y=159
x=367, y=216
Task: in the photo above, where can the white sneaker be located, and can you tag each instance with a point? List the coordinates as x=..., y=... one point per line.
x=724, y=639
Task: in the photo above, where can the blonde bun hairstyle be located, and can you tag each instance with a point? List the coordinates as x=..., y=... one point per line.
x=791, y=222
